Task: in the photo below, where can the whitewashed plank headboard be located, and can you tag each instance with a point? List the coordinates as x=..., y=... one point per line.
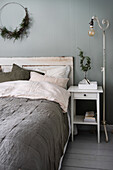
x=37, y=63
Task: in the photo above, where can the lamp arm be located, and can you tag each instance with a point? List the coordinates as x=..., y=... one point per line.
x=104, y=22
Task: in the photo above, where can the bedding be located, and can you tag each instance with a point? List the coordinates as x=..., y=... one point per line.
x=59, y=72
x=35, y=90
x=34, y=129
x=17, y=73
x=39, y=78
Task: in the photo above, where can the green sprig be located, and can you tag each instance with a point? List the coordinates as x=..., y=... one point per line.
x=85, y=61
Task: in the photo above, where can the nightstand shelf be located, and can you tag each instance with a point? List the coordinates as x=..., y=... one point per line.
x=78, y=119
x=84, y=94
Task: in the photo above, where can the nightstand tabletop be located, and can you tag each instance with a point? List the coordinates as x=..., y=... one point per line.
x=76, y=89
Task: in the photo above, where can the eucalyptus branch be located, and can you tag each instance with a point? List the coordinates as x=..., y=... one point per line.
x=85, y=61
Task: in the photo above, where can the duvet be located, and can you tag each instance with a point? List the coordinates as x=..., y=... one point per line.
x=33, y=130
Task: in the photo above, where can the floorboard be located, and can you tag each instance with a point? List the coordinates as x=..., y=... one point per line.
x=84, y=153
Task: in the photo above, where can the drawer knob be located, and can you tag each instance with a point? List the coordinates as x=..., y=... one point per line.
x=84, y=94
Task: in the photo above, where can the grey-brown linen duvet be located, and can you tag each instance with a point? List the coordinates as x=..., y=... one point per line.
x=33, y=133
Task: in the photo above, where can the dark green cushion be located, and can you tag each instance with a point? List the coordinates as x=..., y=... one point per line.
x=6, y=77
x=17, y=73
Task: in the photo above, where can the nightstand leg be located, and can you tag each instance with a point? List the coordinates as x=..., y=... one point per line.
x=98, y=117
x=72, y=111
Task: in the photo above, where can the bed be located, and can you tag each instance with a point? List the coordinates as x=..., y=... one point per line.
x=34, y=124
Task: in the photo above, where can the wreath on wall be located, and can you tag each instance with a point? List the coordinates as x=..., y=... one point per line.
x=20, y=31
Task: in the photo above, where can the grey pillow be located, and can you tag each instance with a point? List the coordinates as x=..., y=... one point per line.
x=17, y=73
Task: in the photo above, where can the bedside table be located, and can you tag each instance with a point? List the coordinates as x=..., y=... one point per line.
x=84, y=94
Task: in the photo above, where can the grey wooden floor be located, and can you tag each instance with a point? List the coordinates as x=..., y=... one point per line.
x=86, y=154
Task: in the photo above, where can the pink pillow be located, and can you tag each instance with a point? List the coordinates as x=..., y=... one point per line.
x=58, y=81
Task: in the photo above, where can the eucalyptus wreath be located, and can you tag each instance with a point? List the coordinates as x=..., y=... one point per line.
x=85, y=61
x=17, y=32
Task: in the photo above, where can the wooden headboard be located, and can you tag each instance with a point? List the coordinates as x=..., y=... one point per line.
x=36, y=63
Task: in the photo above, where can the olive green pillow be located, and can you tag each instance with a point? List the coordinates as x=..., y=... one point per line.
x=17, y=73
x=5, y=76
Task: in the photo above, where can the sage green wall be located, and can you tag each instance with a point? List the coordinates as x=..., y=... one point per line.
x=59, y=27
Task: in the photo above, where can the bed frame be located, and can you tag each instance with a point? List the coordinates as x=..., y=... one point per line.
x=37, y=63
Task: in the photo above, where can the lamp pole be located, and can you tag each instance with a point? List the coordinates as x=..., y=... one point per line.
x=103, y=68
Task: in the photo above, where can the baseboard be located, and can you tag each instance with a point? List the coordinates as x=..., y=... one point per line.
x=89, y=127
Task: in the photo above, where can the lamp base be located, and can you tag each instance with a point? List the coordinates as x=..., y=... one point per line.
x=105, y=130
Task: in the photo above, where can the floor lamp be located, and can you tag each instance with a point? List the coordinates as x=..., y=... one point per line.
x=91, y=32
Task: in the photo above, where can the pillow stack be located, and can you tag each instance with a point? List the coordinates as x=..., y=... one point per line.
x=17, y=73
x=58, y=76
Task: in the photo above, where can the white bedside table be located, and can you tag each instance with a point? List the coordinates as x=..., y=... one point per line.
x=84, y=94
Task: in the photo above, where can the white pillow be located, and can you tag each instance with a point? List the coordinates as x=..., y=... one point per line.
x=59, y=72
x=58, y=81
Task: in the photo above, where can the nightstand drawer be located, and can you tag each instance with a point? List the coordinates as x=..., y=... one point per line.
x=85, y=95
